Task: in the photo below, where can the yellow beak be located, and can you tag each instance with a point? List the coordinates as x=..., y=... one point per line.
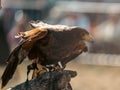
x=88, y=38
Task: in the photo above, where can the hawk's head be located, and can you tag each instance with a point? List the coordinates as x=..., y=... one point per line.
x=86, y=36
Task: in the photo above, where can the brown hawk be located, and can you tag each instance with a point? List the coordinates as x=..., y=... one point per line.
x=46, y=45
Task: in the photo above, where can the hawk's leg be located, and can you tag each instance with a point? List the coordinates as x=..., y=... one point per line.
x=30, y=67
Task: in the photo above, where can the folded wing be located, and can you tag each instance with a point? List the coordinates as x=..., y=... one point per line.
x=21, y=51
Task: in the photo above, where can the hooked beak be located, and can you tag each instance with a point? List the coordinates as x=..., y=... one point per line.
x=88, y=38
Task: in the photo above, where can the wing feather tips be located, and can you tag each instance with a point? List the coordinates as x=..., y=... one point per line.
x=9, y=71
x=13, y=61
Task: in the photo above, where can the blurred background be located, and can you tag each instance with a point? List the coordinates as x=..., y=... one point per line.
x=99, y=68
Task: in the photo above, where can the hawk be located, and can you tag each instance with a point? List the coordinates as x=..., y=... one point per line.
x=46, y=45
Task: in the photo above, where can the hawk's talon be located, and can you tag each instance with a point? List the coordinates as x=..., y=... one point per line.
x=60, y=64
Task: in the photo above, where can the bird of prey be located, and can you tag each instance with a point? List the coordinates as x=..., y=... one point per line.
x=47, y=44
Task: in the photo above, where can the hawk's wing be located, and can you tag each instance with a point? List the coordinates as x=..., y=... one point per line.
x=21, y=51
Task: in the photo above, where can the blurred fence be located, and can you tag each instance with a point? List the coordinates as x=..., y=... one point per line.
x=99, y=59
x=86, y=7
